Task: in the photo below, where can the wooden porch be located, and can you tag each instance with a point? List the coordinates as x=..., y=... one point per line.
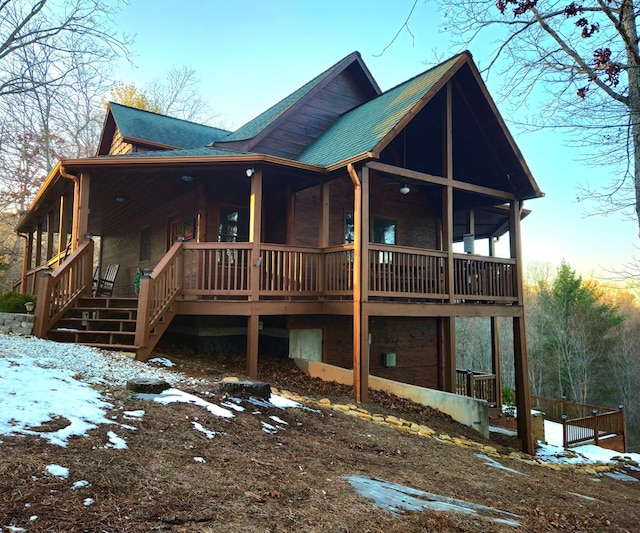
x=239, y=272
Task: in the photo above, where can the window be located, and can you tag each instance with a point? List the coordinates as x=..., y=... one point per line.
x=145, y=244
x=383, y=230
x=233, y=225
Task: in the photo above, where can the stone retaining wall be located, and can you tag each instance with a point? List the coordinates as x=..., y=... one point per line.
x=19, y=323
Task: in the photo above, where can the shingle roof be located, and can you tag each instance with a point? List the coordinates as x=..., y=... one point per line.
x=255, y=126
x=201, y=151
x=361, y=129
x=160, y=129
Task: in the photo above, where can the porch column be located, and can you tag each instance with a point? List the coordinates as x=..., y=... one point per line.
x=323, y=236
x=80, y=209
x=50, y=234
x=520, y=353
x=39, y=245
x=448, y=330
x=255, y=233
x=495, y=339
x=253, y=332
x=495, y=358
x=25, y=264
x=360, y=277
x=65, y=206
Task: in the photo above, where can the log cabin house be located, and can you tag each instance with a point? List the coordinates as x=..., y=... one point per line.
x=333, y=218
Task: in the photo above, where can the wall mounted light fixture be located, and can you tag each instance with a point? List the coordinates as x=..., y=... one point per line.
x=250, y=172
x=187, y=178
x=404, y=188
x=121, y=199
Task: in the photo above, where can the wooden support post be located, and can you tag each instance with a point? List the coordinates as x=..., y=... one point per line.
x=323, y=237
x=50, y=234
x=447, y=195
x=38, y=245
x=449, y=346
x=495, y=358
x=25, y=266
x=253, y=332
x=62, y=226
x=520, y=353
x=44, y=283
x=360, y=366
x=255, y=232
x=81, y=210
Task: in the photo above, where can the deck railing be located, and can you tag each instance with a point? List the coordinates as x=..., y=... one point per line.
x=58, y=291
x=338, y=270
x=290, y=271
x=582, y=422
x=407, y=272
x=158, y=290
x=478, y=385
x=217, y=268
x=484, y=278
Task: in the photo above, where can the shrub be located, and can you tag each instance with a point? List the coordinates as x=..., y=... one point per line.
x=13, y=302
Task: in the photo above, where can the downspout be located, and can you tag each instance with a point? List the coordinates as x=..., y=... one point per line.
x=76, y=201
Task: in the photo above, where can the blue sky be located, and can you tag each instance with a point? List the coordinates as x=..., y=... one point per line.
x=249, y=54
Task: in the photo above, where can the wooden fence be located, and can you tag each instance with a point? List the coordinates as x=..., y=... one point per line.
x=583, y=423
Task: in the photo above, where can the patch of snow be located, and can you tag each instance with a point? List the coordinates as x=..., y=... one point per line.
x=88, y=501
x=80, y=485
x=58, y=471
x=14, y=529
x=583, y=496
x=162, y=361
x=397, y=498
x=133, y=415
x=116, y=442
x=175, y=395
x=278, y=420
x=199, y=459
x=199, y=427
x=490, y=461
x=233, y=405
x=268, y=428
x=621, y=476
x=127, y=426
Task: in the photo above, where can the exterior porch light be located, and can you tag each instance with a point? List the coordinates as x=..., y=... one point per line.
x=121, y=199
x=250, y=172
x=404, y=188
x=187, y=178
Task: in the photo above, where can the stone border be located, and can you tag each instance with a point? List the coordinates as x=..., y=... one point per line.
x=16, y=323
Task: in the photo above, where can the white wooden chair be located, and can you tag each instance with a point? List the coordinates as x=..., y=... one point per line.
x=104, y=286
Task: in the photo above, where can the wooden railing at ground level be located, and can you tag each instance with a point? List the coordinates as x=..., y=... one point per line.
x=59, y=290
x=478, y=385
x=583, y=423
x=158, y=290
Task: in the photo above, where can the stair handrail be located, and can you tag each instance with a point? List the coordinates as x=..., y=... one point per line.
x=59, y=289
x=158, y=290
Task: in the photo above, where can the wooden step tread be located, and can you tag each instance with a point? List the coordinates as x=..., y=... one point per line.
x=91, y=331
x=111, y=347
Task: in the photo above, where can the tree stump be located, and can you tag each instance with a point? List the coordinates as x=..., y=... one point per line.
x=148, y=385
x=245, y=389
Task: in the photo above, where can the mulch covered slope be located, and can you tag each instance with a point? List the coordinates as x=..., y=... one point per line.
x=291, y=480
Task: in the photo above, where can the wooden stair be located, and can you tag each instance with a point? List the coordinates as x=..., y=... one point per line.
x=102, y=322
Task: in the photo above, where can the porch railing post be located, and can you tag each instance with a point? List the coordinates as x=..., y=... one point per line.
x=144, y=306
x=623, y=424
x=594, y=413
x=42, y=311
x=564, y=431
x=470, y=384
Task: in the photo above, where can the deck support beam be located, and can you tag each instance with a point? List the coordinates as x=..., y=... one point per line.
x=520, y=354
x=255, y=235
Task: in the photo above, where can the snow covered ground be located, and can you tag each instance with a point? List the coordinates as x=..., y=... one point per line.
x=42, y=380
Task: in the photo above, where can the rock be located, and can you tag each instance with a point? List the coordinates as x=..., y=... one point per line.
x=246, y=389
x=325, y=402
x=147, y=385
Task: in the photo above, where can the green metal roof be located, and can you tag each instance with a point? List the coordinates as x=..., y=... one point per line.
x=202, y=151
x=255, y=126
x=136, y=123
x=360, y=130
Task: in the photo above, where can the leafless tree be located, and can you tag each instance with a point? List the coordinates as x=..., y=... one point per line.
x=581, y=60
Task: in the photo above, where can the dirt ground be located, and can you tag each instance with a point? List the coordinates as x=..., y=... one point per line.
x=291, y=480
